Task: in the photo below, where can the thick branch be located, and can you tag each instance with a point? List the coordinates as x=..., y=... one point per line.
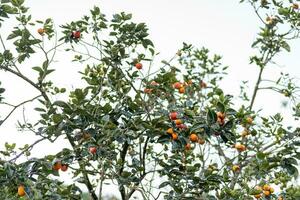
x=83, y=170
x=122, y=157
x=256, y=88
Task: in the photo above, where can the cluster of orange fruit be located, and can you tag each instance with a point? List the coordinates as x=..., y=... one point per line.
x=173, y=116
x=59, y=166
x=74, y=34
x=181, y=86
x=194, y=138
x=265, y=190
x=179, y=124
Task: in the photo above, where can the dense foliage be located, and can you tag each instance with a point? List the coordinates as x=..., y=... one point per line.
x=159, y=131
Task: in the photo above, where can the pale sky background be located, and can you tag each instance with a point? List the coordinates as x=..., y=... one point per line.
x=223, y=26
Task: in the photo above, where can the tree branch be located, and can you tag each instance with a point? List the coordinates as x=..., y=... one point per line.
x=26, y=149
x=15, y=107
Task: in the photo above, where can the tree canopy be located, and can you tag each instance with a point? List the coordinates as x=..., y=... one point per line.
x=164, y=131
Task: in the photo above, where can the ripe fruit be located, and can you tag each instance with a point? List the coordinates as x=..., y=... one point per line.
x=138, y=65
x=240, y=147
x=21, y=191
x=203, y=84
x=170, y=131
x=93, y=150
x=76, y=34
x=188, y=146
x=201, y=141
x=154, y=83
x=41, y=31
x=148, y=90
x=221, y=115
x=181, y=90
x=193, y=137
x=220, y=121
x=235, y=168
x=295, y=6
x=181, y=126
x=177, y=85
x=173, y=115
x=220, y=118
x=64, y=167
x=174, y=136
x=267, y=193
x=280, y=198
x=178, y=121
x=244, y=133
x=266, y=187
x=57, y=165
x=257, y=196
x=249, y=120
x=269, y=20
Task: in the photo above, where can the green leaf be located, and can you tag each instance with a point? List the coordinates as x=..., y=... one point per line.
x=8, y=9
x=211, y=117
x=228, y=136
x=292, y=170
x=61, y=104
x=147, y=42
x=49, y=71
x=40, y=109
x=286, y=46
x=17, y=3
x=283, y=11
x=66, y=107
x=260, y=155
x=164, y=184
x=57, y=118
x=221, y=107
x=126, y=174
x=163, y=139
x=228, y=125
x=38, y=69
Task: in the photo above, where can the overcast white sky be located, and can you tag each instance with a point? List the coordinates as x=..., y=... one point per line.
x=225, y=27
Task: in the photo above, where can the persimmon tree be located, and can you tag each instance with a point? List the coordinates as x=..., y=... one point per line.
x=157, y=130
